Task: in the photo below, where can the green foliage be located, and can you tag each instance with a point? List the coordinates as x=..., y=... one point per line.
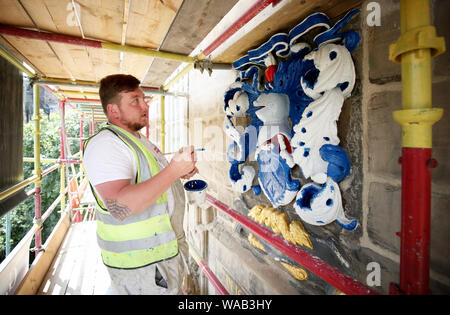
x=22, y=216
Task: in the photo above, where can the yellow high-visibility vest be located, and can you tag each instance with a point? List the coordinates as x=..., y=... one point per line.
x=141, y=239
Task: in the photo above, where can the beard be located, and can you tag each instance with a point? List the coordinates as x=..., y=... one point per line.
x=134, y=126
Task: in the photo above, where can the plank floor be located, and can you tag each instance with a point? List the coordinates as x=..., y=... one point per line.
x=77, y=268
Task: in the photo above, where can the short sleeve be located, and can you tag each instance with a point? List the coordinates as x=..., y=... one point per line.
x=107, y=158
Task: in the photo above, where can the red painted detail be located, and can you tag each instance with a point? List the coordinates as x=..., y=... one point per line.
x=314, y=264
x=38, y=35
x=274, y=140
x=415, y=221
x=244, y=19
x=270, y=71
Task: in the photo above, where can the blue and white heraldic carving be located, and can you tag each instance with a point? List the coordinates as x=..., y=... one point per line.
x=293, y=92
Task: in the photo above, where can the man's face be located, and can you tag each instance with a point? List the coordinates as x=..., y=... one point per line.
x=133, y=109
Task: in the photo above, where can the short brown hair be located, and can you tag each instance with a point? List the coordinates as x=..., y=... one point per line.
x=112, y=85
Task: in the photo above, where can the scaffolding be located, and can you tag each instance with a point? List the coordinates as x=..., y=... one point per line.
x=73, y=185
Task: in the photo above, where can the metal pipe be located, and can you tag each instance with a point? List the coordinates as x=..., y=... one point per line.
x=46, y=160
x=8, y=234
x=53, y=205
x=37, y=132
x=37, y=168
x=332, y=275
x=13, y=189
x=147, y=127
x=78, y=93
x=414, y=49
x=81, y=134
x=66, y=82
x=62, y=173
x=209, y=274
x=148, y=52
x=83, y=100
x=71, y=40
x=178, y=76
x=95, y=94
x=50, y=169
x=163, y=124
x=55, y=93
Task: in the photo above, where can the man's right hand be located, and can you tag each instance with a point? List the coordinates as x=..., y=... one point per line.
x=183, y=162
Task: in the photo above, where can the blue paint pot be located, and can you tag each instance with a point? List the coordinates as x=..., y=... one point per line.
x=195, y=191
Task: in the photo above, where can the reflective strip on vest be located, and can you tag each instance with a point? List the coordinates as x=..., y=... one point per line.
x=141, y=239
x=129, y=259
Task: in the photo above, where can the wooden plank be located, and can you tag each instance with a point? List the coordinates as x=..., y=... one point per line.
x=80, y=280
x=52, y=16
x=102, y=19
x=149, y=21
x=159, y=71
x=56, y=278
x=99, y=20
x=77, y=61
x=135, y=65
x=102, y=281
x=18, y=54
x=38, y=270
x=193, y=22
x=14, y=14
x=40, y=54
x=105, y=62
x=283, y=21
x=147, y=24
x=78, y=268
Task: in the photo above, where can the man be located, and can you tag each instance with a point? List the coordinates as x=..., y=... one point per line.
x=140, y=199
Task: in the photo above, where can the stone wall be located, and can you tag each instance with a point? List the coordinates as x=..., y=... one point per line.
x=371, y=194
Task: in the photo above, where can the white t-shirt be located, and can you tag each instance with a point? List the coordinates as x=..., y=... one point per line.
x=107, y=158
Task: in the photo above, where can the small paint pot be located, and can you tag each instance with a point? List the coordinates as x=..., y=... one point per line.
x=195, y=191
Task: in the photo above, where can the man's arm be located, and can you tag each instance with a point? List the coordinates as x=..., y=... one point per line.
x=123, y=199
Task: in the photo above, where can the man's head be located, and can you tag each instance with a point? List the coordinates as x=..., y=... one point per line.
x=123, y=101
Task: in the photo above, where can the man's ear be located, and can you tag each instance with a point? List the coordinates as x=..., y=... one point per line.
x=112, y=109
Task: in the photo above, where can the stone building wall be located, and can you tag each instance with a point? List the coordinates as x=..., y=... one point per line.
x=371, y=194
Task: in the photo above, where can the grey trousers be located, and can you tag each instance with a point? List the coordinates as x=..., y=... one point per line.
x=141, y=281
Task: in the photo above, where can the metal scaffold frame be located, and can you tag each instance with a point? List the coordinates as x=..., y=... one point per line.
x=73, y=214
x=415, y=48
